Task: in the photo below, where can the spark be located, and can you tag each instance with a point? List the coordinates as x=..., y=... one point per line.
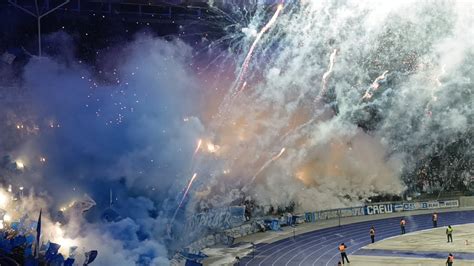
x=184, y=196
x=328, y=73
x=198, y=146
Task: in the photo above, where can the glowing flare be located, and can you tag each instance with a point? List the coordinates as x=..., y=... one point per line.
x=19, y=164
x=7, y=218
x=212, y=148
x=66, y=243
x=3, y=199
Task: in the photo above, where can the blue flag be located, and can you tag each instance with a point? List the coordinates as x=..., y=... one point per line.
x=38, y=234
x=52, y=251
x=69, y=262
x=90, y=256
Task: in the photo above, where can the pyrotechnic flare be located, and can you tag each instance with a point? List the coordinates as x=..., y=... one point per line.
x=184, y=196
x=328, y=73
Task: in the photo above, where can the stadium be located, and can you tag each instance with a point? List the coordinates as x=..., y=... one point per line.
x=236, y=132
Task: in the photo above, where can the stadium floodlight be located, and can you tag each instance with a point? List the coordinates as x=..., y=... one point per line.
x=38, y=16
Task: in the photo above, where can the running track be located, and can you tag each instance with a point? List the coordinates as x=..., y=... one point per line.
x=320, y=247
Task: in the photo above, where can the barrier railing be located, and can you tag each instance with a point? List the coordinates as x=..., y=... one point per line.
x=380, y=208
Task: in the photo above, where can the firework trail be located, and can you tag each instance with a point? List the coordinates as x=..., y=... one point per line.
x=375, y=85
x=240, y=84
x=328, y=73
x=245, y=64
x=274, y=158
x=198, y=146
x=434, y=98
x=184, y=196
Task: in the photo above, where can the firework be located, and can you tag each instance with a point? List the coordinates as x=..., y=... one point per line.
x=265, y=165
x=328, y=73
x=184, y=196
x=246, y=63
x=198, y=146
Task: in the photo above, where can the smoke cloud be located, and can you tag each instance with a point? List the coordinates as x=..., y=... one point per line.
x=296, y=127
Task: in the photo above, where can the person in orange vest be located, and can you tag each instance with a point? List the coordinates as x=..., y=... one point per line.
x=402, y=225
x=342, y=249
x=449, y=233
x=435, y=220
x=450, y=260
x=372, y=233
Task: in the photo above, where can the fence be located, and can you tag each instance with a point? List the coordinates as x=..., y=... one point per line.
x=380, y=208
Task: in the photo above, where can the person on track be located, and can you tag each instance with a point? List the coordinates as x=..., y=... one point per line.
x=435, y=219
x=372, y=234
x=402, y=225
x=342, y=249
x=450, y=260
x=449, y=233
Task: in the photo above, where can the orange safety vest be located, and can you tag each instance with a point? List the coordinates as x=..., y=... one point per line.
x=450, y=258
x=342, y=248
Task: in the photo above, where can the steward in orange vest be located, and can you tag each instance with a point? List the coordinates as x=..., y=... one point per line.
x=402, y=225
x=372, y=234
x=342, y=249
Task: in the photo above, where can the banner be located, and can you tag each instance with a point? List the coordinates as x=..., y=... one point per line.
x=379, y=208
x=218, y=219
x=336, y=213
